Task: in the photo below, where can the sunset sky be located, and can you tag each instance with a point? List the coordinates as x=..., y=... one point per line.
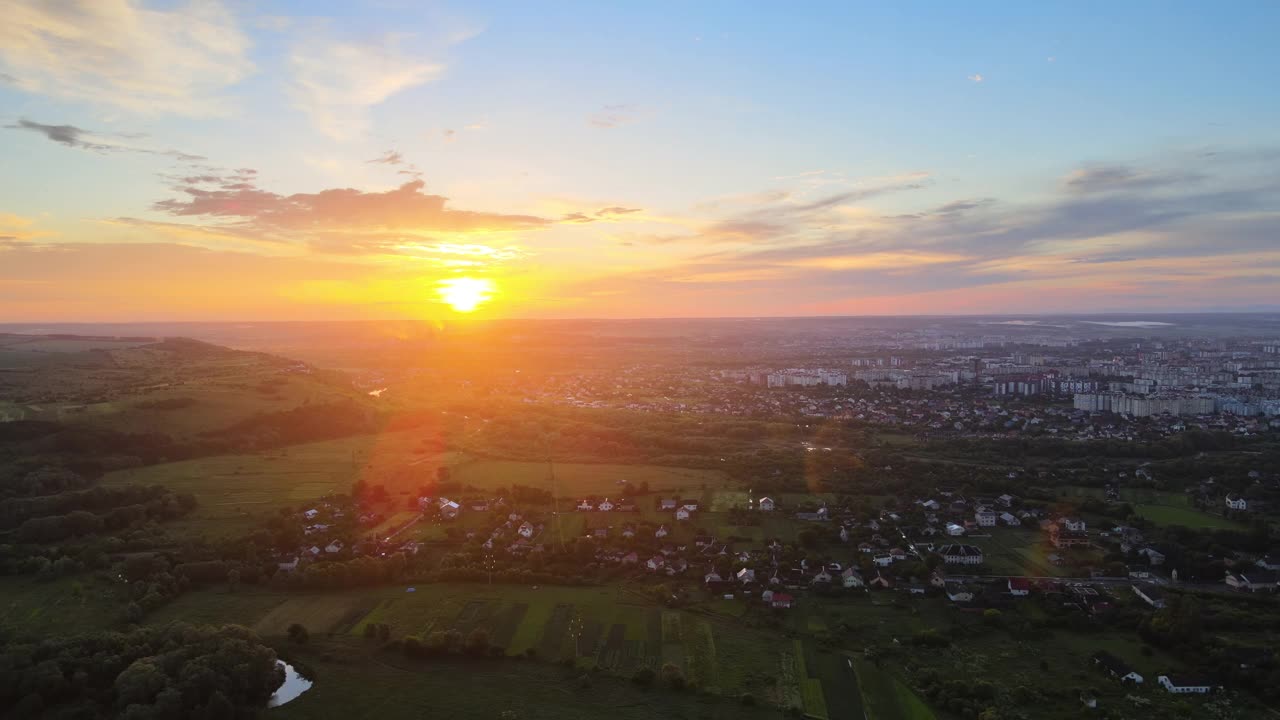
x=316, y=160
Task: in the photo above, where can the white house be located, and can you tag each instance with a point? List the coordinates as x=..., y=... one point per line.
x=605, y=506
x=584, y=506
x=882, y=559
x=1185, y=684
x=1237, y=502
x=526, y=530
x=288, y=566
x=766, y=503
x=961, y=554
x=655, y=563
x=850, y=578
x=985, y=518
x=822, y=577
x=667, y=504
x=1010, y=519
x=746, y=575
x=844, y=534
x=334, y=547
x=931, y=504
x=955, y=530
x=682, y=514
x=661, y=532
x=311, y=514
x=1116, y=667
x=711, y=577
x=448, y=508
x=1070, y=524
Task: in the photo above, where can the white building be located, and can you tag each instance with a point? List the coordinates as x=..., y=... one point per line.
x=1183, y=684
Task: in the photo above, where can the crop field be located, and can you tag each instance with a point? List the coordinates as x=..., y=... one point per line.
x=602, y=627
x=1011, y=551
x=43, y=607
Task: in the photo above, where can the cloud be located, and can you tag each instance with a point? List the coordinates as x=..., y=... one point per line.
x=1104, y=178
x=577, y=217
x=976, y=77
x=336, y=82
x=77, y=137
x=615, y=211
x=16, y=230
x=612, y=116
x=119, y=54
x=240, y=205
x=390, y=157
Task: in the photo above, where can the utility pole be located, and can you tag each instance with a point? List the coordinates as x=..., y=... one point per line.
x=555, y=490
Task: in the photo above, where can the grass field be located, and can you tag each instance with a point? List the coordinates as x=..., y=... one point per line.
x=236, y=491
x=60, y=606
x=352, y=684
x=1185, y=516
x=885, y=697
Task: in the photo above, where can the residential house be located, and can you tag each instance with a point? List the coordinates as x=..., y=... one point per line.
x=690, y=505
x=311, y=514
x=1116, y=668
x=959, y=593
x=656, y=563
x=525, y=530
x=288, y=565
x=1005, y=500
x=823, y=577
x=851, y=578
x=766, y=504
x=1154, y=557
x=844, y=534
x=661, y=532
x=334, y=547
x=712, y=577
x=586, y=505
x=1186, y=684
x=667, y=504
x=682, y=514
x=1237, y=502
x=880, y=581
x=898, y=554
x=781, y=600
x=746, y=575
x=954, y=530
x=1150, y=594
x=605, y=506
x=628, y=531
x=1010, y=519
x=882, y=559
x=1252, y=580
x=931, y=505
x=630, y=558
x=985, y=517
x=1019, y=587
x=961, y=554
x=449, y=509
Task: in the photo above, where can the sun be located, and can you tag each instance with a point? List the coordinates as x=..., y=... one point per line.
x=466, y=294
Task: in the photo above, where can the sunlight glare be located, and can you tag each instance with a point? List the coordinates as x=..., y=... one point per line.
x=466, y=294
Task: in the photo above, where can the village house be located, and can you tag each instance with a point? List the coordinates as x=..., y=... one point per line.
x=880, y=581
x=682, y=514
x=882, y=559
x=961, y=554
x=1005, y=500
x=311, y=514
x=851, y=578
x=781, y=600
x=605, y=506
x=628, y=531
x=585, y=506
x=656, y=563
x=746, y=575
x=525, y=530
x=449, y=509
x=661, y=532
x=985, y=517
x=823, y=577
x=1116, y=668
x=1186, y=684
x=1010, y=519
x=667, y=504
x=334, y=547
x=288, y=565
x=712, y=577
x=955, y=530
x=1252, y=580
x=1019, y=587
x=766, y=504
x=630, y=558
x=1150, y=594
x=1237, y=502
x=844, y=534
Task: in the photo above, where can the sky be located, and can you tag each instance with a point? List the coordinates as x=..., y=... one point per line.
x=235, y=160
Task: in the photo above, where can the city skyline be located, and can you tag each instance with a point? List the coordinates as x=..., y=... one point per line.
x=216, y=161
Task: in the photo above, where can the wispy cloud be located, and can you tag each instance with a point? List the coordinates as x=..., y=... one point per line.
x=336, y=82
x=390, y=157
x=77, y=137
x=119, y=54
x=976, y=77
x=612, y=116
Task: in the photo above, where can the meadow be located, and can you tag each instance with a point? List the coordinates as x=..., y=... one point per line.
x=1162, y=507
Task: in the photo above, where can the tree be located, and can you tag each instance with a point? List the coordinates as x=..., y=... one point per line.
x=298, y=634
x=643, y=676
x=478, y=642
x=672, y=676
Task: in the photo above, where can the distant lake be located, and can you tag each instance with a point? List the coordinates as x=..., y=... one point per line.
x=294, y=685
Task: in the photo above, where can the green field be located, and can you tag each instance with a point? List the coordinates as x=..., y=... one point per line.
x=236, y=491
x=885, y=697
x=1185, y=516
x=352, y=682
x=60, y=606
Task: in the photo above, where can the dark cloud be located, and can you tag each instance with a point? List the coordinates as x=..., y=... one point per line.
x=390, y=157
x=77, y=137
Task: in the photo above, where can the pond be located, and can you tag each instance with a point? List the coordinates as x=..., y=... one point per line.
x=294, y=685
